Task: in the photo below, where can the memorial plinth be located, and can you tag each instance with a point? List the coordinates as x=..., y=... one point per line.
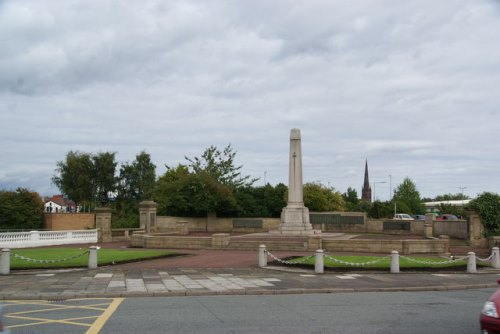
x=295, y=216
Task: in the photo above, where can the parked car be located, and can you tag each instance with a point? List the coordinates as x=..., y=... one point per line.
x=446, y=216
x=489, y=319
x=402, y=216
x=418, y=217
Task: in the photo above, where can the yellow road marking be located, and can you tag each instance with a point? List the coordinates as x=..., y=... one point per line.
x=42, y=321
x=99, y=323
x=95, y=327
x=65, y=307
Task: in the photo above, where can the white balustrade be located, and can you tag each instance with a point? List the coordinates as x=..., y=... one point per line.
x=46, y=238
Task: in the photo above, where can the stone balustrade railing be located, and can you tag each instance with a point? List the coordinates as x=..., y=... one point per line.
x=46, y=238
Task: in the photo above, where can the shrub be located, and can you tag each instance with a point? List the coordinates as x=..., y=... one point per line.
x=487, y=206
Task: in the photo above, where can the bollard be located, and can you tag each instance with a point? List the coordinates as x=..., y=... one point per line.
x=5, y=262
x=495, y=260
x=262, y=256
x=319, y=265
x=471, y=263
x=92, y=257
x=394, y=262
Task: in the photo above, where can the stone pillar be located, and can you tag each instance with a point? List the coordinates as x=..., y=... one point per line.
x=394, y=262
x=295, y=216
x=495, y=258
x=147, y=216
x=471, y=262
x=475, y=230
x=319, y=262
x=262, y=257
x=92, y=262
x=429, y=225
x=103, y=224
x=428, y=233
x=5, y=262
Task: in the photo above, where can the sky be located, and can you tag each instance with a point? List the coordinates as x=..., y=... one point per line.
x=412, y=87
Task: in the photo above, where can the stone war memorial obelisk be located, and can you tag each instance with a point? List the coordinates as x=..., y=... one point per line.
x=295, y=216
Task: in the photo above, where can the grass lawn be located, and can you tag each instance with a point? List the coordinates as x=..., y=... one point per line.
x=55, y=255
x=384, y=262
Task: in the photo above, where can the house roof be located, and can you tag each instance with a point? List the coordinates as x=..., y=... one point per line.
x=60, y=200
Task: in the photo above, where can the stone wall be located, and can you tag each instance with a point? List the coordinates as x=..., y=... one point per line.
x=68, y=221
x=212, y=224
x=311, y=243
x=454, y=229
x=387, y=246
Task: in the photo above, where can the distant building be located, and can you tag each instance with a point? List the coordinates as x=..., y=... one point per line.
x=58, y=204
x=436, y=206
x=366, y=191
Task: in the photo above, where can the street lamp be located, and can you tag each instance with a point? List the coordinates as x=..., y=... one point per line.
x=390, y=187
x=462, y=189
x=374, y=189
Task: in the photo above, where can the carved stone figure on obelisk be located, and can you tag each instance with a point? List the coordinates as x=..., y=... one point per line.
x=295, y=216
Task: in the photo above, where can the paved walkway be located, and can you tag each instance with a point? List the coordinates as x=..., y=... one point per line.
x=210, y=272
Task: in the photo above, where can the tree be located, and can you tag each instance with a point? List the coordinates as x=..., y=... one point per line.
x=137, y=180
x=74, y=177
x=20, y=209
x=380, y=209
x=104, y=179
x=407, y=198
x=487, y=206
x=266, y=201
x=319, y=198
x=179, y=192
x=220, y=165
x=351, y=199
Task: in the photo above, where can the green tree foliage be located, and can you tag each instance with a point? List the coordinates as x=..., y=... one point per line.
x=181, y=193
x=20, y=209
x=136, y=183
x=487, y=206
x=267, y=201
x=103, y=176
x=75, y=178
x=351, y=200
x=319, y=198
x=380, y=210
x=407, y=198
x=137, y=180
x=220, y=165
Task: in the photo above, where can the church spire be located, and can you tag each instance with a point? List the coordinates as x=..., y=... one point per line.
x=366, y=192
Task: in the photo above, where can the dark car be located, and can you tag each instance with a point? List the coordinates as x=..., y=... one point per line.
x=446, y=216
x=418, y=217
x=489, y=320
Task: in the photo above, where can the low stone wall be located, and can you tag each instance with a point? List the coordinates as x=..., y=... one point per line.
x=386, y=246
x=68, y=221
x=213, y=224
x=456, y=229
x=124, y=234
x=310, y=243
x=169, y=241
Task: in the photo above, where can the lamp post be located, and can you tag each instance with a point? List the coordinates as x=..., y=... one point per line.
x=374, y=189
x=390, y=187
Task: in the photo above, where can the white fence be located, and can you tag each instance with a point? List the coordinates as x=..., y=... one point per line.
x=46, y=238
